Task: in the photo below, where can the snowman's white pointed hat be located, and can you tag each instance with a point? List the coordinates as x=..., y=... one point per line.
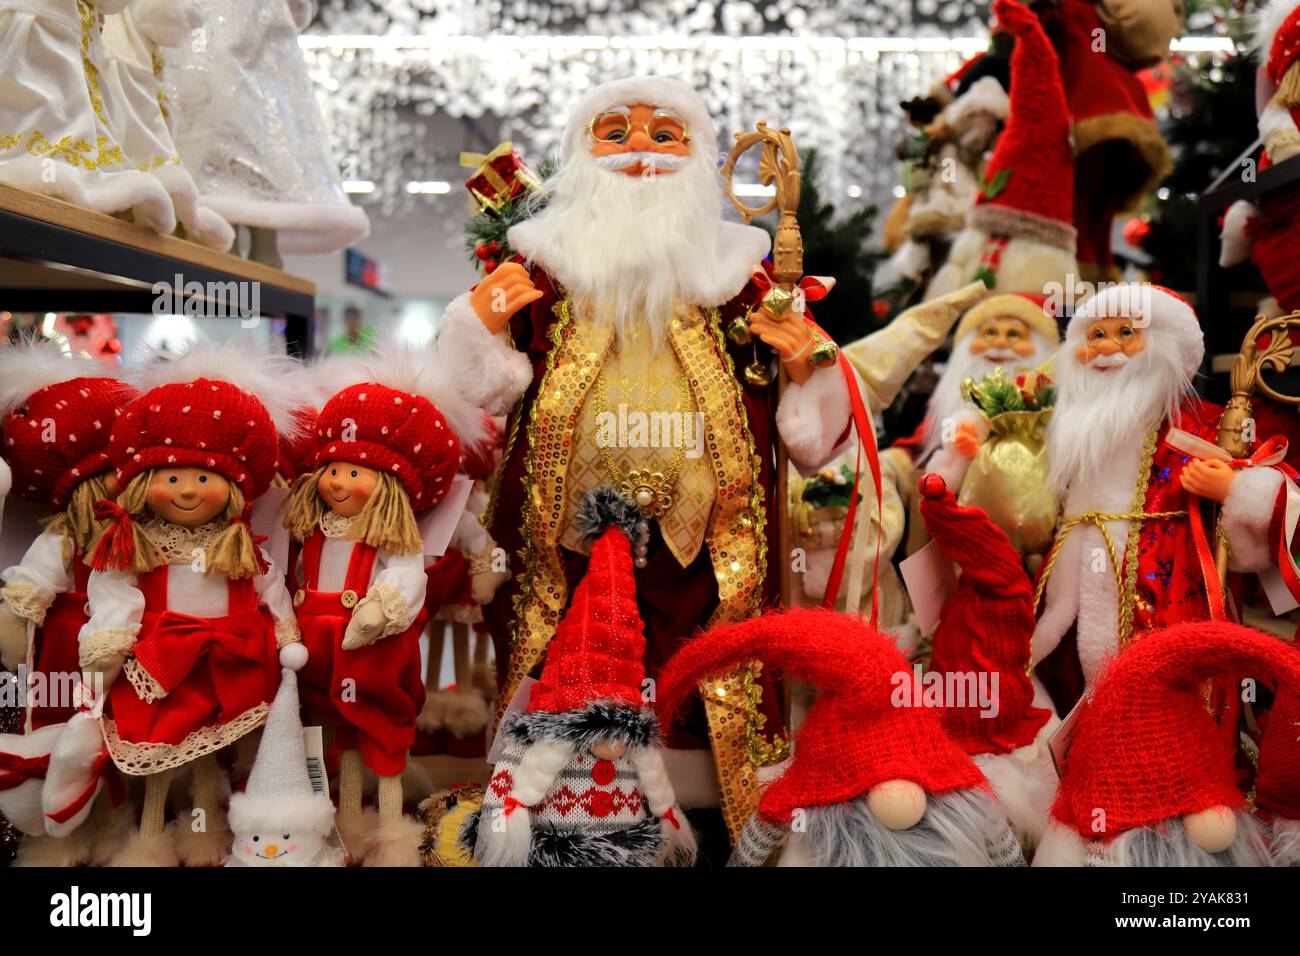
x=279, y=792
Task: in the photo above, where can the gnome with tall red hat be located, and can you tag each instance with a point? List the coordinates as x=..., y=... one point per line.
x=1018, y=235
x=874, y=780
x=581, y=781
x=983, y=634
x=57, y=411
x=1148, y=779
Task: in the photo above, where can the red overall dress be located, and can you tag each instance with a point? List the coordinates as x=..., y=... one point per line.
x=57, y=654
x=370, y=695
x=215, y=670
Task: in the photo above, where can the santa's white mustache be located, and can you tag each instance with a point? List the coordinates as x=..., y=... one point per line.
x=999, y=355
x=653, y=160
x=1109, y=361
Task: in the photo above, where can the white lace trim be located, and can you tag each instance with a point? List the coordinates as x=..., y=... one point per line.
x=98, y=647
x=142, y=759
x=286, y=632
x=26, y=601
x=335, y=525
x=146, y=685
x=396, y=613
x=177, y=542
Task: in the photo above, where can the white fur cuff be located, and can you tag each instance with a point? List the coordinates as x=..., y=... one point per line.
x=812, y=416
x=1246, y=516
x=488, y=372
x=98, y=647
x=26, y=601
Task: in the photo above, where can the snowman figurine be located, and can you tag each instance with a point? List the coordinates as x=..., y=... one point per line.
x=279, y=820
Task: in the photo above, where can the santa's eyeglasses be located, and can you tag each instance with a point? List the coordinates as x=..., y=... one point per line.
x=665, y=128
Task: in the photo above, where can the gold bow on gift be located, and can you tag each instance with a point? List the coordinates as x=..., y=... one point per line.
x=481, y=163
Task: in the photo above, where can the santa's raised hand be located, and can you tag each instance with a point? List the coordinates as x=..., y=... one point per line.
x=505, y=291
x=790, y=336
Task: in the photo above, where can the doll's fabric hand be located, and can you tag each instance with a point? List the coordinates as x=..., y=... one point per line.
x=1208, y=478
x=501, y=294
x=366, y=627
x=13, y=639
x=108, y=668
x=967, y=440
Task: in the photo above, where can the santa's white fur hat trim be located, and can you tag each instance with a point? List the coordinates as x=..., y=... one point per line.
x=659, y=91
x=985, y=95
x=1160, y=312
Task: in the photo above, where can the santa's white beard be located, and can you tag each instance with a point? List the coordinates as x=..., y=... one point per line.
x=1099, y=412
x=946, y=402
x=628, y=248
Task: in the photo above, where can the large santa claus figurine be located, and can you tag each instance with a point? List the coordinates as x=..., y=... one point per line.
x=609, y=345
x=1125, y=558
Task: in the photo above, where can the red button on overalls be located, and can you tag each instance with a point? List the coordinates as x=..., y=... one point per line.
x=603, y=772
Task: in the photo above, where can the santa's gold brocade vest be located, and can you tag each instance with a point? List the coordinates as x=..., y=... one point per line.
x=732, y=521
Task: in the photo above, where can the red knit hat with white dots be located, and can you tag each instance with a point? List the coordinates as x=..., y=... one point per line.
x=1277, y=36
x=210, y=409
x=392, y=431
x=58, y=411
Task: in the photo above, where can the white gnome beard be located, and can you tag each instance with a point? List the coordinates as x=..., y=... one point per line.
x=958, y=829
x=627, y=247
x=1169, y=845
x=1098, y=412
x=946, y=402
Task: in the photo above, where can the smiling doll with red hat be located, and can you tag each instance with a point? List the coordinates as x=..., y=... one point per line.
x=186, y=611
x=387, y=447
x=57, y=414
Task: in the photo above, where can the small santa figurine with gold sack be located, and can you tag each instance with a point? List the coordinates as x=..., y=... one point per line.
x=384, y=451
x=581, y=781
x=186, y=611
x=58, y=411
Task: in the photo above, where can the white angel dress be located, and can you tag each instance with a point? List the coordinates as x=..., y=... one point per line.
x=251, y=133
x=133, y=44
x=57, y=114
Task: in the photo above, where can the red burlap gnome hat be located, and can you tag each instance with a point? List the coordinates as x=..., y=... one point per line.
x=58, y=411
x=595, y=660
x=400, y=417
x=1277, y=783
x=853, y=736
x=1028, y=188
x=985, y=625
x=1145, y=748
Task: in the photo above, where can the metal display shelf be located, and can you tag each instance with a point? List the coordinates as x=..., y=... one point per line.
x=57, y=257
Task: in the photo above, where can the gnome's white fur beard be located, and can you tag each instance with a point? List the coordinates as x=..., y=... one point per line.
x=1027, y=265
x=627, y=248
x=1164, y=845
x=958, y=829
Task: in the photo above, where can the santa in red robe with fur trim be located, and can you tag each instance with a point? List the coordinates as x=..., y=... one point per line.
x=1125, y=559
x=607, y=346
